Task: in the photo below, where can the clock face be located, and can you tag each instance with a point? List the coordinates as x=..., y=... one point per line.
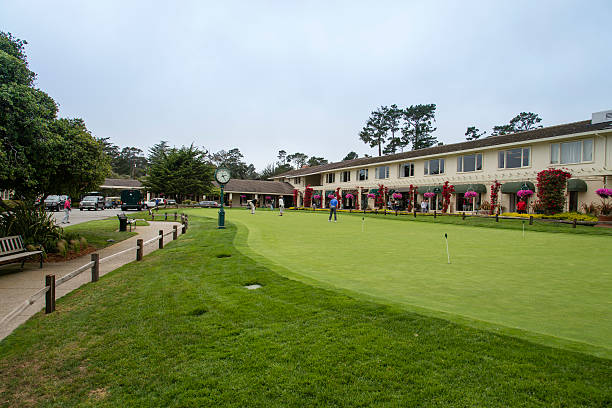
x=222, y=176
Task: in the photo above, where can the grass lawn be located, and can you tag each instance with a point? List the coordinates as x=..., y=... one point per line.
x=551, y=288
x=98, y=232
x=178, y=329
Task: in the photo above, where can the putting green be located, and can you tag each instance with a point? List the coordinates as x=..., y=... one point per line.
x=556, y=285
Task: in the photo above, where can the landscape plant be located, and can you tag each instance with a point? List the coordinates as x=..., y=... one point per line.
x=494, y=197
x=604, y=208
x=551, y=189
x=447, y=191
x=308, y=196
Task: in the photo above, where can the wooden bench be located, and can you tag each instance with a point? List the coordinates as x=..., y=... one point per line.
x=12, y=250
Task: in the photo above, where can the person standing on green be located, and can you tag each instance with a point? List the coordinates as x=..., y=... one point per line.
x=333, y=204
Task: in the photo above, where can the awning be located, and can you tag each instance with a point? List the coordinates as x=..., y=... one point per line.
x=328, y=192
x=514, y=186
x=464, y=188
x=403, y=190
x=392, y=190
x=430, y=189
x=576, y=185
x=374, y=191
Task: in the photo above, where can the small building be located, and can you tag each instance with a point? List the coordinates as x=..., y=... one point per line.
x=238, y=192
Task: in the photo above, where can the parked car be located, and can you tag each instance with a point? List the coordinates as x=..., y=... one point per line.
x=55, y=202
x=92, y=203
x=112, y=202
x=209, y=204
x=150, y=203
x=131, y=200
x=170, y=202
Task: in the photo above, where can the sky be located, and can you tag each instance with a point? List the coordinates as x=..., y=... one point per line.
x=305, y=76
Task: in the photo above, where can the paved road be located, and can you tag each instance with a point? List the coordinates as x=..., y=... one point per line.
x=77, y=217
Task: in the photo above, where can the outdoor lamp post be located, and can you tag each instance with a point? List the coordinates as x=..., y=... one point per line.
x=222, y=176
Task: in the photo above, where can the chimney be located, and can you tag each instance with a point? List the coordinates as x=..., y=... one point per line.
x=601, y=117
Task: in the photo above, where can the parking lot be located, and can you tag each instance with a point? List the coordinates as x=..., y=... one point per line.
x=77, y=217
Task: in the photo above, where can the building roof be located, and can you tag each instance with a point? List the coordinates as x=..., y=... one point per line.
x=258, y=186
x=121, y=183
x=542, y=133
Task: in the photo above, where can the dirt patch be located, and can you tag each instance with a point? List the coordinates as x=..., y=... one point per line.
x=55, y=258
x=98, y=394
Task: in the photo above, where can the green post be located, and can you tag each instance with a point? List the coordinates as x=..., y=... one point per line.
x=221, y=223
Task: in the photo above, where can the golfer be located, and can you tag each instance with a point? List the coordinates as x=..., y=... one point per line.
x=252, y=206
x=332, y=209
x=281, y=205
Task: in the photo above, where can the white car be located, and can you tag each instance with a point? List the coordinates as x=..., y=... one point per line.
x=152, y=203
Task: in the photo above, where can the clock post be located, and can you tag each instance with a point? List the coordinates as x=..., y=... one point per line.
x=222, y=176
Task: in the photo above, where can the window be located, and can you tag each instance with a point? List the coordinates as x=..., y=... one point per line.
x=407, y=170
x=435, y=166
x=514, y=158
x=330, y=178
x=346, y=176
x=297, y=180
x=382, y=172
x=471, y=162
x=571, y=152
x=363, y=174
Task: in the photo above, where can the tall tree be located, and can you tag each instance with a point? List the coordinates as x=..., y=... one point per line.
x=282, y=157
x=374, y=133
x=316, y=161
x=40, y=154
x=393, y=117
x=350, y=156
x=520, y=123
x=298, y=159
x=418, y=128
x=180, y=172
x=473, y=133
x=158, y=151
x=232, y=160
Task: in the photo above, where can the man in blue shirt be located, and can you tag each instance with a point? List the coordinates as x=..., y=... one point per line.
x=332, y=209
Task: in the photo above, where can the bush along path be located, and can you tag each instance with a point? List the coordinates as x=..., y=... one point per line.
x=181, y=329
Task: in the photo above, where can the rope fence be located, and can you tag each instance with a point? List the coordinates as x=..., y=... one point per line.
x=51, y=283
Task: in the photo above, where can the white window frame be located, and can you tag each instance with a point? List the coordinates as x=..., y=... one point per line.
x=377, y=173
x=365, y=171
x=401, y=169
x=558, y=146
x=345, y=176
x=426, y=167
x=330, y=178
x=297, y=180
x=522, y=166
x=460, y=163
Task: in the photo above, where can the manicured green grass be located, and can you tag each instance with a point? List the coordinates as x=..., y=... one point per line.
x=551, y=288
x=98, y=232
x=179, y=329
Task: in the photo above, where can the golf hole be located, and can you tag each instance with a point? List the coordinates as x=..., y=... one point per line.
x=223, y=256
x=198, y=312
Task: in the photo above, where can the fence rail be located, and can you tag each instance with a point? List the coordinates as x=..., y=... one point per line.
x=51, y=283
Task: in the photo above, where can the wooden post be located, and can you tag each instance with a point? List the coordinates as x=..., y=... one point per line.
x=463, y=215
x=95, y=268
x=574, y=223
x=415, y=213
x=161, y=239
x=174, y=232
x=531, y=220
x=165, y=216
x=184, y=230
x=496, y=217
x=435, y=214
x=175, y=216
x=50, y=295
x=152, y=216
x=140, y=250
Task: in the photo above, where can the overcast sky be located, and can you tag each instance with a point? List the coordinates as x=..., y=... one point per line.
x=304, y=76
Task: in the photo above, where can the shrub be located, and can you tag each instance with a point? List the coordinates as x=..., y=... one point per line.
x=35, y=226
x=551, y=189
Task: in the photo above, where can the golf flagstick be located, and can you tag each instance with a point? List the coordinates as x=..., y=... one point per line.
x=362, y=223
x=523, y=229
x=447, y=253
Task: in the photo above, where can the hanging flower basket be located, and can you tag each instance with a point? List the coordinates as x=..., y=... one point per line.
x=268, y=197
x=371, y=195
x=524, y=193
x=331, y=196
x=243, y=196
x=316, y=196
x=349, y=195
x=429, y=195
x=470, y=194
x=604, y=192
x=397, y=195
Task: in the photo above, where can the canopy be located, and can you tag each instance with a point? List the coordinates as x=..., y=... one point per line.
x=430, y=189
x=576, y=185
x=514, y=186
x=464, y=188
x=374, y=191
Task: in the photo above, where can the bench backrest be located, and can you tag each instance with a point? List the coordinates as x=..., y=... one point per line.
x=11, y=245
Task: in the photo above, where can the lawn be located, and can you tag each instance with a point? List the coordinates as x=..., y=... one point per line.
x=179, y=329
x=550, y=288
x=98, y=232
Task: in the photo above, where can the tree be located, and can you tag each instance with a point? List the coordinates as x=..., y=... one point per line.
x=298, y=159
x=40, y=153
x=282, y=156
x=520, y=123
x=392, y=117
x=180, y=172
x=418, y=127
x=158, y=151
x=316, y=161
x=232, y=160
x=270, y=171
x=375, y=131
x=350, y=156
x=472, y=133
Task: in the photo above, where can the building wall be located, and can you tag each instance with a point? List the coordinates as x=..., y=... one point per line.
x=593, y=173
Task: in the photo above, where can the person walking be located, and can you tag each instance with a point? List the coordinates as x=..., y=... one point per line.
x=424, y=206
x=67, y=210
x=281, y=205
x=333, y=204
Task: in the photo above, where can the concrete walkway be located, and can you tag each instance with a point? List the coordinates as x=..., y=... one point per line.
x=16, y=285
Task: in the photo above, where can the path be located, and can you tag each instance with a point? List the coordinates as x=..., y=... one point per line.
x=16, y=286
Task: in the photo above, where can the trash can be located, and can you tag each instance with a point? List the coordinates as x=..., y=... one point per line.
x=122, y=223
